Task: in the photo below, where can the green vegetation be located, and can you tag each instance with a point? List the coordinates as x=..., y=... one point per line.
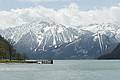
x=12, y=61
x=8, y=52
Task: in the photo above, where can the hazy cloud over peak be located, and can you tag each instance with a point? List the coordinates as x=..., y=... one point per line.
x=70, y=15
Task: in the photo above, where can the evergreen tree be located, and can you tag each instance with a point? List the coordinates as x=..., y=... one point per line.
x=7, y=50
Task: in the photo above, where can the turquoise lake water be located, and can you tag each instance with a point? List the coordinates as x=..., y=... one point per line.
x=63, y=70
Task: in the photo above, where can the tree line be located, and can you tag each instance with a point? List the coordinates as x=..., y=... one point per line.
x=8, y=51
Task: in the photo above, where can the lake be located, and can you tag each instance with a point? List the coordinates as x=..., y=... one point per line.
x=63, y=70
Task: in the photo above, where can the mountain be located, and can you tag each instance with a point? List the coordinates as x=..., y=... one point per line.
x=47, y=39
x=115, y=54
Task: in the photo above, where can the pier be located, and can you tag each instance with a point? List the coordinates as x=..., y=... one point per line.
x=39, y=61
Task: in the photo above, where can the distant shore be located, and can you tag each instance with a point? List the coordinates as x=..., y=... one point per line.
x=12, y=61
x=28, y=61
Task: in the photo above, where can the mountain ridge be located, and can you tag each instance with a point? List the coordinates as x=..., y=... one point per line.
x=48, y=37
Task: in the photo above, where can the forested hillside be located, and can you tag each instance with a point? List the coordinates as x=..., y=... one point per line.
x=7, y=51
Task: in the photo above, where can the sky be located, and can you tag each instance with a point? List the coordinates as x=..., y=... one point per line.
x=66, y=12
x=56, y=4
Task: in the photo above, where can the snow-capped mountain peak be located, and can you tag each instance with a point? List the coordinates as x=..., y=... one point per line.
x=43, y=36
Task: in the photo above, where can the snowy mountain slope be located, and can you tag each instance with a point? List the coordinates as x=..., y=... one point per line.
x=47, y=34
x=86, y=47
x=59, y=41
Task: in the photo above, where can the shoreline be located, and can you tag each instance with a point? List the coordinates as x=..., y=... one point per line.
x=28, y=61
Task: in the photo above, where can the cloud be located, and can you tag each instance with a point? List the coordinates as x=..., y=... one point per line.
x=69, y=16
